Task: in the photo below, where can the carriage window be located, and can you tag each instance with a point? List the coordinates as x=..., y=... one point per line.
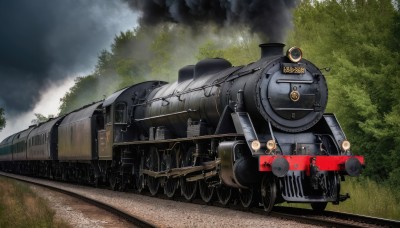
x=120, y=113
x=108, y=114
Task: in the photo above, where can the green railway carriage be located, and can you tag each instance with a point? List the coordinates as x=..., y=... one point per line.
x=6, y=148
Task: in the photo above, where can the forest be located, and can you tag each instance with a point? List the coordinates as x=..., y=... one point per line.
x=356, y=42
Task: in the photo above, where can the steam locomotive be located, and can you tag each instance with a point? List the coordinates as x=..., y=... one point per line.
x=257, y=133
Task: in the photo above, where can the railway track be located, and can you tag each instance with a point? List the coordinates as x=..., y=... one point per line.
x=332, y=219
x=306, y=216
x=132, y=219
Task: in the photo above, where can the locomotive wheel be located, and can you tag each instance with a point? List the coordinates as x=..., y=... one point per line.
x=188, y=188
x=96, y=182
x=88, y=176
x=140, y=183
x=64, y=175
x=170, y=187
x=206, y=191
x=319, y=206
x=139, y=177
x=224, y=194
x=170, y=162
x=91, y=179
x=268, y=193
x=114, y=181
x=247, y=197
x=153, y=164
x=123, y=183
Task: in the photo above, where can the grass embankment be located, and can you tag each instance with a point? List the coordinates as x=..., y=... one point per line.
x=366, y=198
x=20, y=207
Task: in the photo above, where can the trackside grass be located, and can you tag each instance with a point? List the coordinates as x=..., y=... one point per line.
x=366, y=198
x=20, y=207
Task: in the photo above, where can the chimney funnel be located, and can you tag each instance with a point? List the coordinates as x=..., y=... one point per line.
x=271, y=49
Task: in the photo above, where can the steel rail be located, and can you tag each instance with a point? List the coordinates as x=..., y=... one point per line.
x=315, y=221
x=330, y=218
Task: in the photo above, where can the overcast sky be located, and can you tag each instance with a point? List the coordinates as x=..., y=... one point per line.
x=44, y=44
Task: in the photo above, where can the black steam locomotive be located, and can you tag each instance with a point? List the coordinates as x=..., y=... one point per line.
x=256, y=132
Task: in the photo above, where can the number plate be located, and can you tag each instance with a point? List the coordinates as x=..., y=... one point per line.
x=293, y=69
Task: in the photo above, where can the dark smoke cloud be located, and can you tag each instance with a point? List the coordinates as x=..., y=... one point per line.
x=269, y=18
x=44, y=41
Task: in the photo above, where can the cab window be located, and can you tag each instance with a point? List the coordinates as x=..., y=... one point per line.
x=120, y=113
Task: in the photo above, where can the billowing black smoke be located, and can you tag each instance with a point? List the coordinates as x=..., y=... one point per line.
x=269, y=18
x=45, y=41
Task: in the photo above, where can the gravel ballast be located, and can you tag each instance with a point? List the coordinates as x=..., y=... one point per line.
x=169, y=213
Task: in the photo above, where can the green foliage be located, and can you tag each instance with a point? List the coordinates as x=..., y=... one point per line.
x=240, y=51
x=381, y=201
x=210, y=50
x=83, y=92
x=359, y=40
x=2, y=119
x=40, y=118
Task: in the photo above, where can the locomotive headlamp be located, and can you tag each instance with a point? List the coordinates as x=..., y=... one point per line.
x=271, y=145
x=294, y=54
x=255, y=145
x=346, y=145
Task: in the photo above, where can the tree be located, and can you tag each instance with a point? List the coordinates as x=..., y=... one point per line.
x=40, y=118
x=2, y=119
x=359, y=40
